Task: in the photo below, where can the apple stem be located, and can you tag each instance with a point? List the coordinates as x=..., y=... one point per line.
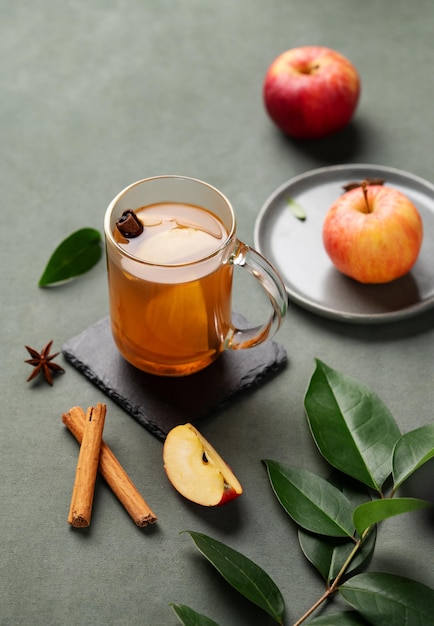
x=364, y=186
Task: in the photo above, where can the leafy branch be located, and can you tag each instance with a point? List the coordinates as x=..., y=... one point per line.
x=337, y=518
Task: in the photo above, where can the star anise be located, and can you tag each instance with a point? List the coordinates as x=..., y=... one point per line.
x=43, y=362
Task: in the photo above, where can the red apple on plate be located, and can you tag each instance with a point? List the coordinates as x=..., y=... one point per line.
x=373, y=233
x=311, y=91
x=196, y=470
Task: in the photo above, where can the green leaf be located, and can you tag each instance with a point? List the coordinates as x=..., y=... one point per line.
x=329, y=554
x=390, y=599
x=353, y=429
x=188, y=617
x=312, y=502
x=245, y=576
x=346, y=618
x=370, y=513
x=411, y=451
x=75, y=255
x=296, y=209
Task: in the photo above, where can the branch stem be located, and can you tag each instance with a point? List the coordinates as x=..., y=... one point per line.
x=333, y=587
x=314, y=607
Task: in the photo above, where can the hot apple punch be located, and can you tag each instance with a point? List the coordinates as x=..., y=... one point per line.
x=170, y=299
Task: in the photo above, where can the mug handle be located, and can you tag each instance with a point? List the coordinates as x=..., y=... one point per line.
x=251, y=260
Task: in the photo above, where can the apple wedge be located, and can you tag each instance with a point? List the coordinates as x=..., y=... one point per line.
x=196, y=470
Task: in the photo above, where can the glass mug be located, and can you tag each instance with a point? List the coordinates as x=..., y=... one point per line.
x=170, y=287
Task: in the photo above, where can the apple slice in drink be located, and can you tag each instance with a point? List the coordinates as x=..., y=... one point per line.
x=196, y=470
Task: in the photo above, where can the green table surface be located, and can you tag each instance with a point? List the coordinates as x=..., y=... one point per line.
x=95, y=95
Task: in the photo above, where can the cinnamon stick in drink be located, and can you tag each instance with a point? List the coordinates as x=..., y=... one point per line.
x=80, y=511
x=113, y=472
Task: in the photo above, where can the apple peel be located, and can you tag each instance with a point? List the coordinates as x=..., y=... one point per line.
x=311, y=92
x=373, y=233
x=196, y=470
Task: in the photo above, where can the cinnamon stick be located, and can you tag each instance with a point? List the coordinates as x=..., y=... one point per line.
x=113, y=472
x=80, y=511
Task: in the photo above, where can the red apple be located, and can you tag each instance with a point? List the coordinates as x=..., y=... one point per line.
x=311, y=91
x=196, y=470
x=373, y=233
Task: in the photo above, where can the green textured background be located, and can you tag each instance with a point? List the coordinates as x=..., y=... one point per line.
x=94, y=95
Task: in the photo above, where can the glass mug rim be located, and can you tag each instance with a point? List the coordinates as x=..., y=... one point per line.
x=109, y=224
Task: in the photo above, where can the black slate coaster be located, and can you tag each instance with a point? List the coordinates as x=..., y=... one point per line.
x=158, y=402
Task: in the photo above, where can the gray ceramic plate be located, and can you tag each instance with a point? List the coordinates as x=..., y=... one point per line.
x=295, y=247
